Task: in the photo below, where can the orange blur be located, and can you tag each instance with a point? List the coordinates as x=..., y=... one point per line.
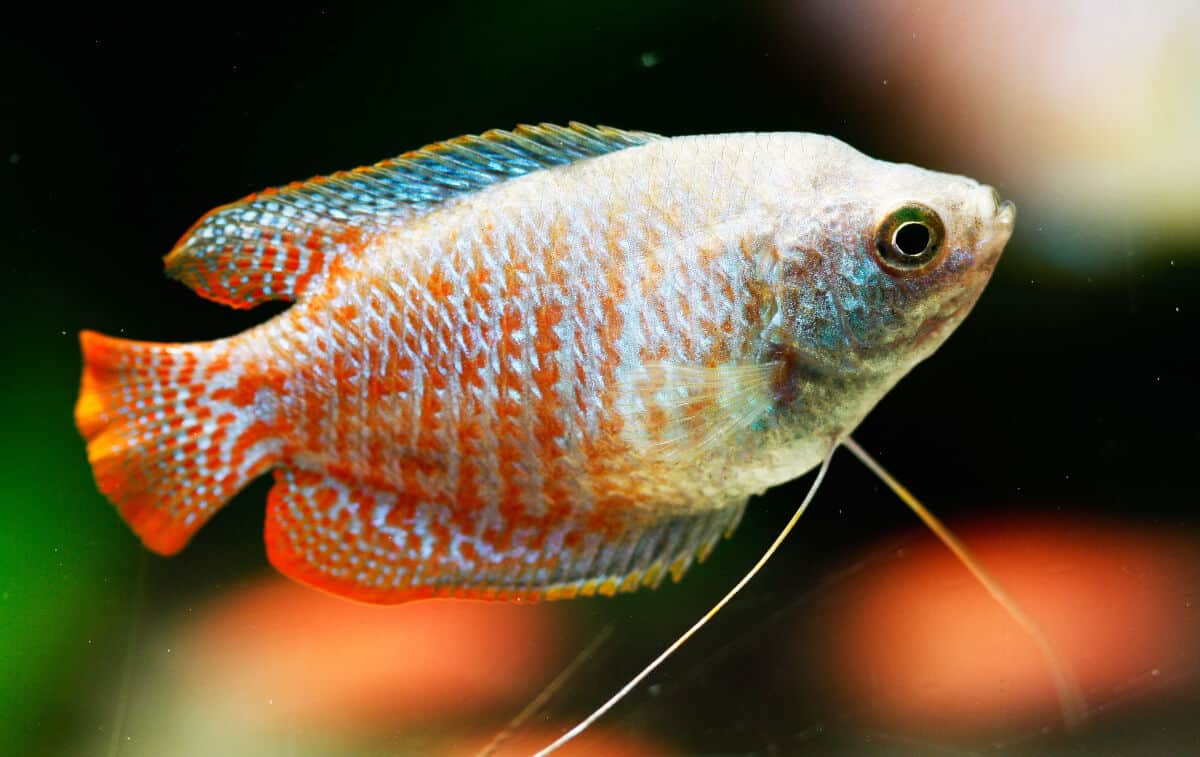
x=279, y=654
x=916, y=641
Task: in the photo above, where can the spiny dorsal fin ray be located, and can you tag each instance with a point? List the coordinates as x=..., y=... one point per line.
x=271, y=244
x=378, y=546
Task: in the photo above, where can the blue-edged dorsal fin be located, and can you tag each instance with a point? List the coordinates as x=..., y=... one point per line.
x=271, y=244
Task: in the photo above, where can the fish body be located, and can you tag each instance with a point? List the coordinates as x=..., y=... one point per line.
x=550, y=362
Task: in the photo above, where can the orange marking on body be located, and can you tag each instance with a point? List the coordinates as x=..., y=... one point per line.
x=412, y=343
x=344, y=372
x=431, y=406
x=316, y=262
x=598, y=450
x=218, y=365
x=315, y=240
x=400, y=514
x=438, y=376
x=546, y=317
x=375, y=334
x=500, y=539
x=471, y=369
x=325, y=497
x=550, y=429
x=438, y=285
x=507, y=407
x=546, y=378
x=467, y=549
x=467, y=498
x=377, y=387
x=351, y=236
x=400, y=362
x=477, y=284
x=363, y=499
x=510, y=320
x=513, y=270
x=307, y=478
x=243, y=393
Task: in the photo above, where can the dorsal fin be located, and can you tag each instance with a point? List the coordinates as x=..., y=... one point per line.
x=270, y=244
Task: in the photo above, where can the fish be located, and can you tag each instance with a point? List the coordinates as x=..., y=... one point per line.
x=549, y=362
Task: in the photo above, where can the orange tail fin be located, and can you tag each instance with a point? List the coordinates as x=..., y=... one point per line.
x=172, y=432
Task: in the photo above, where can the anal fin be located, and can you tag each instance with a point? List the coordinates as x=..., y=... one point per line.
x=382, y=547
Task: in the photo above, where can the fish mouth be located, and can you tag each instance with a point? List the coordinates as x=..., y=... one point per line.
x=1002, y=217
x=1006, y=215
x=1002, y=212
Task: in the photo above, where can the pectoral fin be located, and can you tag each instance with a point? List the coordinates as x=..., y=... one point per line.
x=678, y=413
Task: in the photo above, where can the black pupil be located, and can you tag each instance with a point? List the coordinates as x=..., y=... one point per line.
x=912, y=239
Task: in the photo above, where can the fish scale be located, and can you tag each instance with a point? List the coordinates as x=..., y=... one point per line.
x=542, y=363
x=526, y=483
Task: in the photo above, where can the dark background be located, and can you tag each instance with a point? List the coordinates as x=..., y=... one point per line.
x=1070, y=389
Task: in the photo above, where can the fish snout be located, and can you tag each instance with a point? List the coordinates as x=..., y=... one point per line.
x=1002, y=212
x=999, y=217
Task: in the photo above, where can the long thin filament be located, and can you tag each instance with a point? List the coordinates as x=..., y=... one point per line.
x=600, y=711
x=1070, y=698
x=546, y=694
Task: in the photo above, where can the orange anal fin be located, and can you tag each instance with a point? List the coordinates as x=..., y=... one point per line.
x=379, y=546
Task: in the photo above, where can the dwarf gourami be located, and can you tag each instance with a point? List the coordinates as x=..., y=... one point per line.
x=543, y=363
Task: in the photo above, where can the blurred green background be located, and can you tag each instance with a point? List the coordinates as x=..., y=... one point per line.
x=1071, y=389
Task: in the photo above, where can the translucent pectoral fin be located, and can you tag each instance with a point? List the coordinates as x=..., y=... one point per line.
x=380, y=546
x=678, y=413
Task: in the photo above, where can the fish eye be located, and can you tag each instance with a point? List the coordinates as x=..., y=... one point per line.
x=909, y=238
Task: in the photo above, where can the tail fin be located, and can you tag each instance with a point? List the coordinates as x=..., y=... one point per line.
x=171, y=432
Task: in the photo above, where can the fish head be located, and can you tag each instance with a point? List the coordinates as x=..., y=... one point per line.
x=880, y=261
